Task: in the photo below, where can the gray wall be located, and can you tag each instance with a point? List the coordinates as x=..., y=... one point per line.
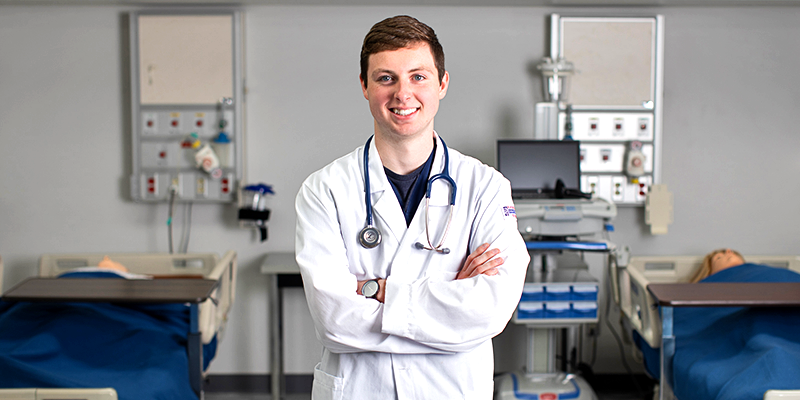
x=731, y=148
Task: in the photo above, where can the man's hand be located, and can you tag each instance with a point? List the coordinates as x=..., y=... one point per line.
x=381, y=295
x=481, y=262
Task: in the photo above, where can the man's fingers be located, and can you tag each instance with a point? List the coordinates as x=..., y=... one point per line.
x=469, y=269
x=482, y=248
x=480, y=262
x=488, y=266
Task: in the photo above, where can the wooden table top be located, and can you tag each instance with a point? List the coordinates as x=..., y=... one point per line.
x=726, y=294
x=112, y=290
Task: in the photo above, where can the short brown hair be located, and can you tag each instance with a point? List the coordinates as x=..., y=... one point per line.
x=396, y=33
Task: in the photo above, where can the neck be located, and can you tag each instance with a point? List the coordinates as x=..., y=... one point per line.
x=405, y=155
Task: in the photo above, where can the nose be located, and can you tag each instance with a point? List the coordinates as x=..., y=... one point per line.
x=403, y=92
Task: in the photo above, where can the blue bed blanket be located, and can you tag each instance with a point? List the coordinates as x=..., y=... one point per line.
x=734, y=353
x=138, y=349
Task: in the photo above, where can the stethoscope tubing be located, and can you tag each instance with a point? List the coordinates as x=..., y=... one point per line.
x=367, y=195
x=370, y=228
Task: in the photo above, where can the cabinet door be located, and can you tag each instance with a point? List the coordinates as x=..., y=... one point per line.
x=614, y=60
x=185, y=59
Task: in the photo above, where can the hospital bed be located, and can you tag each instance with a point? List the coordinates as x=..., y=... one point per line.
x=159, y=291
x=650, y=318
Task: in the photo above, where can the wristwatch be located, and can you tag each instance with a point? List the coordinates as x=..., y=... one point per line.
x=370, y=288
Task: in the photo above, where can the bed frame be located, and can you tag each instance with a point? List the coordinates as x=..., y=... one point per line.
x=58, y=394
x=209, y=318
x=639, y=305
x=213, y=313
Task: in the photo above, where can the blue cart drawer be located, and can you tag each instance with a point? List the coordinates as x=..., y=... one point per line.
x=584, y=292
x=557, y=292
x=557, y=309
x=584, y=309
x=533, y=292
x=530, y=310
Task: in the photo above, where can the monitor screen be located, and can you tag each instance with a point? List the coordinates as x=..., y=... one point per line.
x=533, y=166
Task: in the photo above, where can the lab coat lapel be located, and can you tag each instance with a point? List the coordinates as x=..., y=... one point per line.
x=385, y=205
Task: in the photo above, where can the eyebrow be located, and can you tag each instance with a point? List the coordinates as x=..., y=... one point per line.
x=390, y=72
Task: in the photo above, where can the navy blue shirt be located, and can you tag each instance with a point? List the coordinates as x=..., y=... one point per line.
x=410, y=188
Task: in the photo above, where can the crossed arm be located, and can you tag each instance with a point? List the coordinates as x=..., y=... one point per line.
x=481, y=261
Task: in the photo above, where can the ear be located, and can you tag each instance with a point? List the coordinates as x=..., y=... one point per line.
x=363, y=86
x=443, y=86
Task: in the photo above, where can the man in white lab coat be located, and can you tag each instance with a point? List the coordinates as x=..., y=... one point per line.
x=407, y=315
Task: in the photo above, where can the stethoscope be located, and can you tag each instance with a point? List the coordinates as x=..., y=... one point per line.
x=370, y=237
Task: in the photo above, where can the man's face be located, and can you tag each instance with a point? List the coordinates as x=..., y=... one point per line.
x=403, y=91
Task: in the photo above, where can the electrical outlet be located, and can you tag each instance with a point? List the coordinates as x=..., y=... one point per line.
x=225, y=185
x=149, y=123
x=602, y=158
x=593, y=183
x=604, y=126
x=199, y=124
x=174, y=123
x=594, y=127
x=201, y=187
x=150, y=185
x=641, y=187
x=644, y=127
x=175, y=185
x=618, y=186
x=619, y=127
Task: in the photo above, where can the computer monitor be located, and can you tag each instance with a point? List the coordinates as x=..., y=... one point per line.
x=533, y=166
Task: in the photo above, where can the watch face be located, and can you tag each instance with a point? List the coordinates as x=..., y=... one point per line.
x=370, y=288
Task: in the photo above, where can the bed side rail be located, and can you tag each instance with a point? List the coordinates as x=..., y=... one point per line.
x=639, y=306
x=214, y=312
x=197, y=264
x=60, y=394
x=788, y=262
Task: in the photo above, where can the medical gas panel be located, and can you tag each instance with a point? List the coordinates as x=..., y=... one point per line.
x=186, y=96
x=615, y=102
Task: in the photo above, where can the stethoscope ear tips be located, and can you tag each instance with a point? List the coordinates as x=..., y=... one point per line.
x=420, y=246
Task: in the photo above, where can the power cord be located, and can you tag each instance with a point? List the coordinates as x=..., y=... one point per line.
x=173, y=190
x=187, y=227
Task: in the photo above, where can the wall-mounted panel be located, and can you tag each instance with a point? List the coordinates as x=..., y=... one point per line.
x=187, y=105
x=614, y=102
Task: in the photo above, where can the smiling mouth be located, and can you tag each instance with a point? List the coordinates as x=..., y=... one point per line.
x=404, y=111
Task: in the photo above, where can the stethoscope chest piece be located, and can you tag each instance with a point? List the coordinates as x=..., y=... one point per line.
x=369, y=237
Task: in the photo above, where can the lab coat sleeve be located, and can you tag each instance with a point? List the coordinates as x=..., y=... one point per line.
x=345, y=321
x=459, y=315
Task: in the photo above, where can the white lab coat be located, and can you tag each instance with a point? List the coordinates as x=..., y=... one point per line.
x=431, y=339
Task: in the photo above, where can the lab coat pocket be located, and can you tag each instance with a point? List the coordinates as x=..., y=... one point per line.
x=326, y=386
